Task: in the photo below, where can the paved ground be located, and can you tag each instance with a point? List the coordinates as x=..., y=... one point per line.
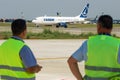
x=53, y=55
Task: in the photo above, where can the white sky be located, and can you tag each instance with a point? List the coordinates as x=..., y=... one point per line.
x=31, y=9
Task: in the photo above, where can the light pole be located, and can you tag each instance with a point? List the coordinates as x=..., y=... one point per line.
x=22, y=15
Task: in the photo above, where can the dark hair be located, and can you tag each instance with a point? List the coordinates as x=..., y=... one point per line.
x=18, y=26
x=105, y=21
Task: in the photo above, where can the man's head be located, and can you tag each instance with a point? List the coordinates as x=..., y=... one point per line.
x=105, y=24
x=18, y=27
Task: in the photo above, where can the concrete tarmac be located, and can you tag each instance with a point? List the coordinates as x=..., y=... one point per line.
x=53, y=55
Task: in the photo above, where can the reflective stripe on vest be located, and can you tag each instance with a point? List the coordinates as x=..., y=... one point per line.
x=116, y=77
x=11, y=65
x=102, y=56
x=11, y=68
x=102, y=68
x=13, y=78
x=93, y=78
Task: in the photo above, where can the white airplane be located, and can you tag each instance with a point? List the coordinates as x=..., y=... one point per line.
x=62, y=21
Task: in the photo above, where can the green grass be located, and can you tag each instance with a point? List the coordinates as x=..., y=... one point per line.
x=9, y=24
x=48, y=34
x=5, y=24
x=5, y=35
x=29, y=24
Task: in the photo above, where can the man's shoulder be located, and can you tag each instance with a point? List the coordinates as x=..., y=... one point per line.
x=85, y=42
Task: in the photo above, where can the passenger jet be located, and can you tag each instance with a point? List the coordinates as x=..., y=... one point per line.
x=61, y=21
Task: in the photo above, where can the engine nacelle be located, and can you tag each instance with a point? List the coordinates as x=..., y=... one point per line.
x=62, y=24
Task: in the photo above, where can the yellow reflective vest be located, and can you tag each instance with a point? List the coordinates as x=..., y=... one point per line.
x=102, y=63
x=11, y=66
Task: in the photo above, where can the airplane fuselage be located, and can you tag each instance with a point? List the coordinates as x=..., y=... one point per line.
x=55, y=20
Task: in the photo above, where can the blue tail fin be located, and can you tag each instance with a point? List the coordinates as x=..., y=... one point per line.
x=84, y=12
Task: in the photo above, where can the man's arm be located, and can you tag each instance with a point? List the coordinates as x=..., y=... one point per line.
x=74, y=68
x=34, y=69
x=29, y=60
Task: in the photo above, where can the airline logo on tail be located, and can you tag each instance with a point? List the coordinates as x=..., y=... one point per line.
x=84, y=12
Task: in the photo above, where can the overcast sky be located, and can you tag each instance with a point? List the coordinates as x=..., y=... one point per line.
x=31, y=9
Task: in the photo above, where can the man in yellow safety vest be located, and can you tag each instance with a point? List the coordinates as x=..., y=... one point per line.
x=17, y=61
x=101, y=54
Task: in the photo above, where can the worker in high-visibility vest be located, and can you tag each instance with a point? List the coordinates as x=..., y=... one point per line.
x=17, y=61
x=101, y=54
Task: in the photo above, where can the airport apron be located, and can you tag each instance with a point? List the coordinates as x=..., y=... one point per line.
x=102, y=63
x=11, y=66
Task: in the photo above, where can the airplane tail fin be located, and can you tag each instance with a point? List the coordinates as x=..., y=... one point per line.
x=84, y=12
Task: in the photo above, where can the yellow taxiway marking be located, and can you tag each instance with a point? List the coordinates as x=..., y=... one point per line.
x=56, y=58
